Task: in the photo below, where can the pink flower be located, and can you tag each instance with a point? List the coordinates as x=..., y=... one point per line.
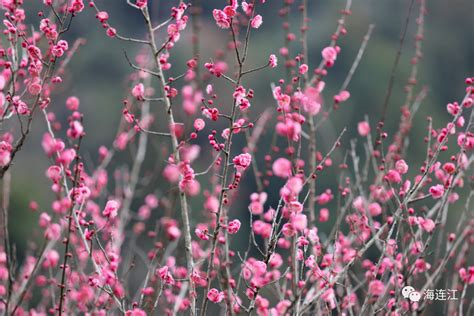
x=5, y=153
x=209, y=89
x=375, y=209
x=449, y=167
x=102, y=16
x=49, y=144
x=282, y=168
x=171, y=173
x=231, y=10
x=144, y=212
x=288, y=230
x=437, y=191
x=303, y=69
x=111, y=32
x=261, y=228
x=466, y=141
x=421, y=266
x=325, y=197
x=344, y=95
x=240, y=96
x=148, y=291
x=67, y=156
x=329, y=53
x=217, y=69
x=51, y=259
x=221, y=18
x=242, y=162
x=211, y=204
x=165, y=275
x=135, y=312
x=54, y=173
x=76, y=6
x=311, y=100
x=233, y=226
x=75, y=130
x=259, y=267
x=299, y=221
x=20, y=106
x=53, y=232
x=188, y=183
x=323, y=215
x=359, y=203
x=35, y=87
x=292, y=188
x=215, y=296
x=363, y=128
x=453, y=108
x=247, y=7
x=111, y=209
x=329, y=297
x=256, y=21
x=199, y=124
x=202, y=232
x=257, y=202
x=376, y=288
x=295, y=207
x=129, y=117
x=401, y=166
x=139, y=92
x=273, y=61
x=393, y=176
x=44, y=220
x=141, y=3
x=291, y=128
x=427, y=224
x=282, y=98
x=72, y=103
x=467, y=275
x=151, y=201
x=282, y=307
x=173, y=232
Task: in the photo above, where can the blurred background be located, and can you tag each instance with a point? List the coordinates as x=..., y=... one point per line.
x=98, y=76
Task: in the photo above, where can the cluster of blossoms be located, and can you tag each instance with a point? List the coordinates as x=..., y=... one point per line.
x=166, y=240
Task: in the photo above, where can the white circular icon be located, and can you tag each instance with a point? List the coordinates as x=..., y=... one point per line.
x=415, y=296
x=410, y=293
x=407, y=290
